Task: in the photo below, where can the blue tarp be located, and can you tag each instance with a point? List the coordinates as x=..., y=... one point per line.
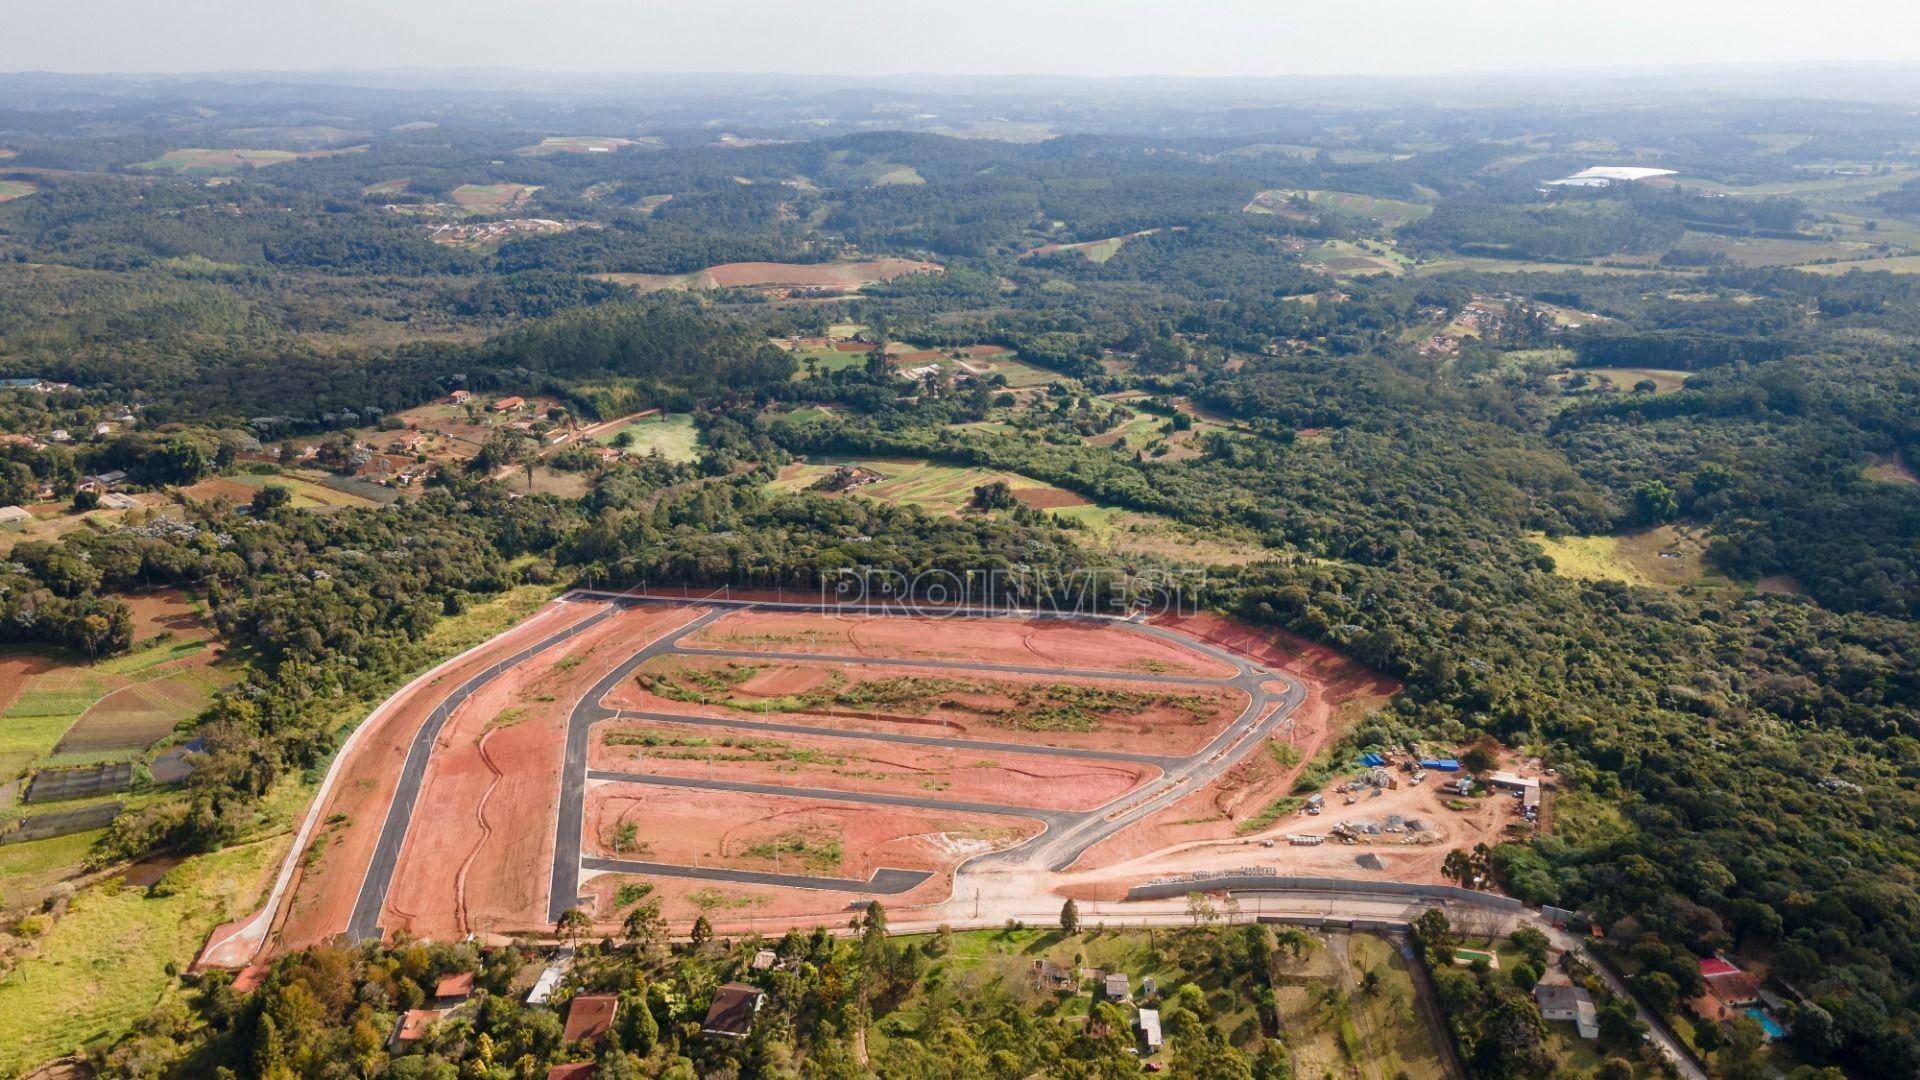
x=1445, y=764
x=1372, y=761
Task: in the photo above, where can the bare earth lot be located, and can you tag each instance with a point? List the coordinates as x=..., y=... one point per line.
x=768, y=764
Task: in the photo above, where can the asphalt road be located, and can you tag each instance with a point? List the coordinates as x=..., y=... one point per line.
x=372, y=900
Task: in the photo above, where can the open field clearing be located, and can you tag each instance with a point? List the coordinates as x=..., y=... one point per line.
x=1336, y=1031
x=1668, y=555
x=1098, y=251
x=941, y=489
x=1393, y=213
x=1892, y=469
x=1346, y=258
x=14, y=189
x=216, y=162
x=580, y=144
x=488, y=198
x=114, y=953
x=755, y=756
x=306, y=492
x=1625, y=379
x=837, y=276
x=671, y=435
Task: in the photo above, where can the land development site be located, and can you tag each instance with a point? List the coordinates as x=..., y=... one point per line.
x=782, y=762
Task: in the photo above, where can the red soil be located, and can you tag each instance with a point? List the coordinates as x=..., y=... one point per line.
x=964, y=709
x=847, y=274
x=1098, y=647
x=734, y=908
x=721, y=828
x=16, y=669
x=479, y=854
x=321, y=897
x=1046, y=498
x=1214, y=811
x=850, y=765
x=167, y=611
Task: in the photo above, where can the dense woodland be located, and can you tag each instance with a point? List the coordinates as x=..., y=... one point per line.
x=1757, y=752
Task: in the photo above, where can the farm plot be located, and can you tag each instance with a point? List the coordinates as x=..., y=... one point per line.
x=1098, y=251
x=853, y=764
x=489, y=198
x=14, y=189
x=580, y=144
x=202, y=162
x=846, y=276
x=70, y=711
x=1037, y=709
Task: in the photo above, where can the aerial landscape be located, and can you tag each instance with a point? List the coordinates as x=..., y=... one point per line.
x=1023, y=542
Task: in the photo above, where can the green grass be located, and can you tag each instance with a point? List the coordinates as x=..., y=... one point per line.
x=14, y=189
x=936, y=488
x=673, y=436
x=1387, y=1019
x=106, y=961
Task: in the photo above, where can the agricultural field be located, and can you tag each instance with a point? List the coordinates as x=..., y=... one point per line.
x=672, y=436
x=1098, y=251
x=492, y=198
x=580, y=144
x=66, y=712
x=216, y=162
x=14, y=189
x=1346, y=258
x=386, y=187
x=846, y=276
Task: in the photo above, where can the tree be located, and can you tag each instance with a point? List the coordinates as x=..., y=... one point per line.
x=702, y=931
x=643, y=927
x=573, y=924
x=271, y=497
x=1654, y=502
x=1070, y=918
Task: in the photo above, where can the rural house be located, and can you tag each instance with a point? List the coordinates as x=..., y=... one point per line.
x=412, y=1024
x=1150, y=1029
x=590, y=1017
x=1567, y=1003
x=453, y=989
x=731, y=1014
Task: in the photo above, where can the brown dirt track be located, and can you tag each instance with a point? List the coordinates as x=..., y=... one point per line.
x=1163, y=727
x=989, y=641
x=850, y=765
x=321, y=897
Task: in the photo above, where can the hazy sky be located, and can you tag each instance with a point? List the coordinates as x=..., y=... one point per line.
x=841, y=37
